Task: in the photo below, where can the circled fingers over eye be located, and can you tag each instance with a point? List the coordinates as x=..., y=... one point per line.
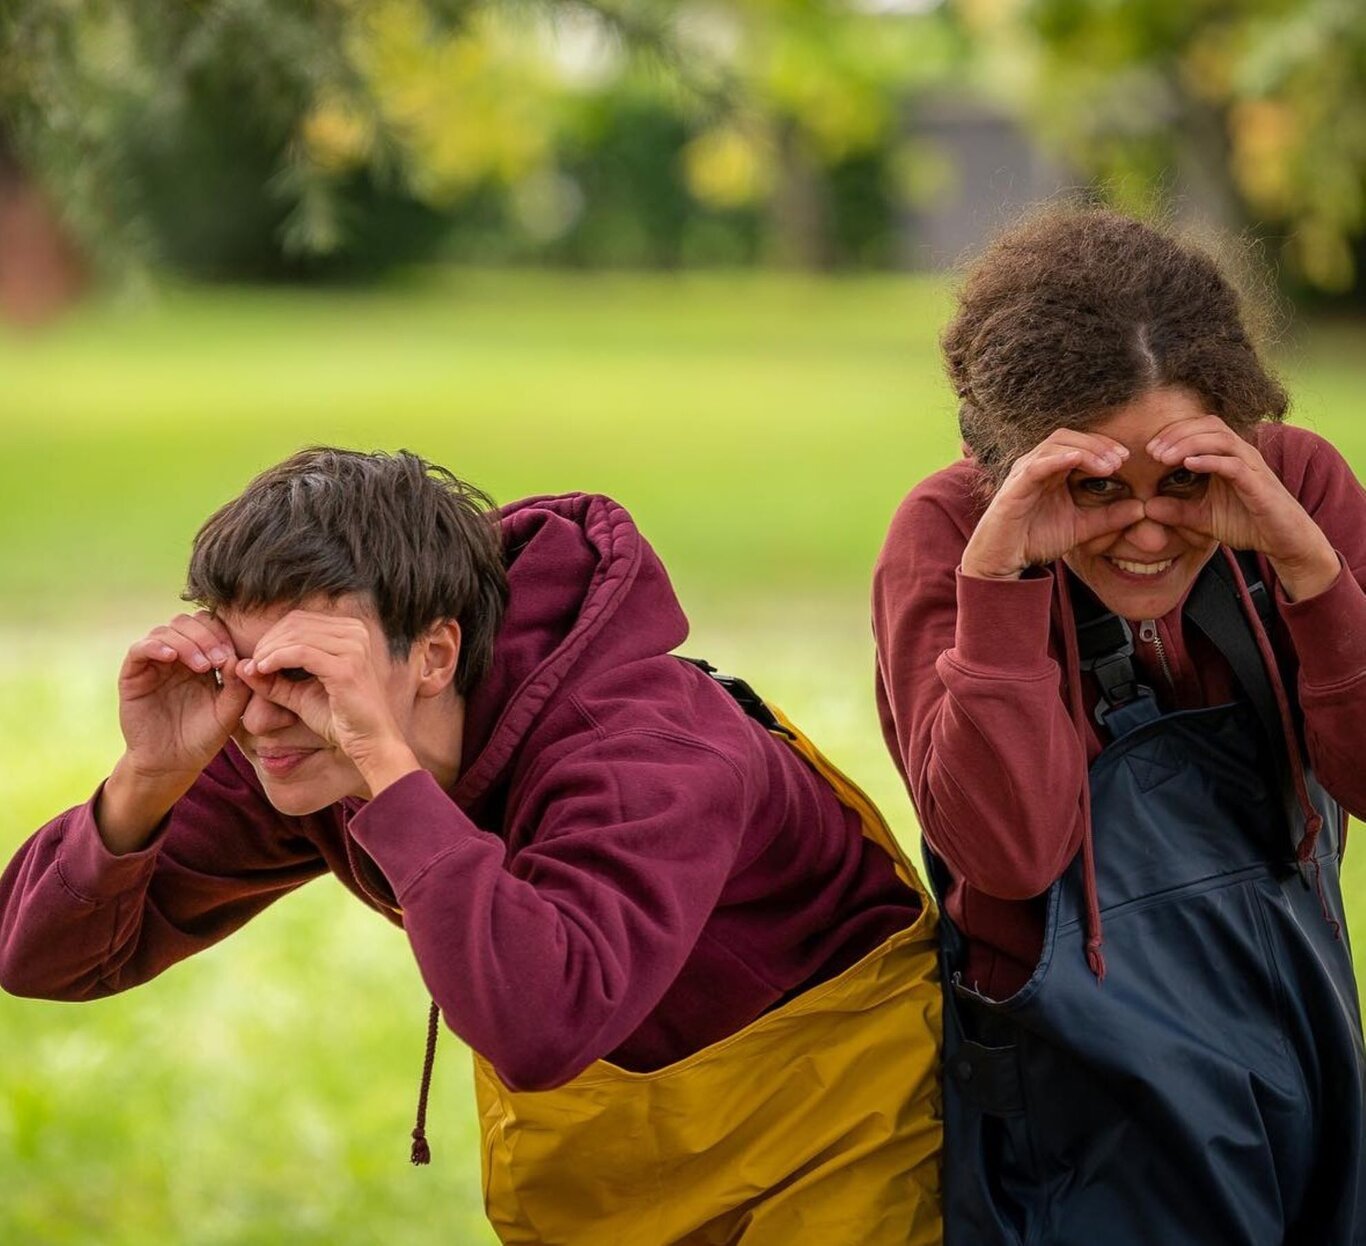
x=1191, y=425
x=1058, y=464
x=187, y=648
x=1095, y=443
x=206, y=634
x=1224, y=444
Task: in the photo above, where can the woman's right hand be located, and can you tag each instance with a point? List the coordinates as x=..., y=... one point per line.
x=1033, y=517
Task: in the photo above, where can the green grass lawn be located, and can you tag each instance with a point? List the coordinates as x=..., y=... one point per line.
x=761, y=429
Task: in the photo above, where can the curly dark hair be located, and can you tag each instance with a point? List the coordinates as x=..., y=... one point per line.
x=423, y=545
x=1077, y=311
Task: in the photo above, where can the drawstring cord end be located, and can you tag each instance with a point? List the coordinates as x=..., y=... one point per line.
x=1095, y=959
x=421, y=1152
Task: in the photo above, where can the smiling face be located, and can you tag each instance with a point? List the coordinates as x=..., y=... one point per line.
x=1144, y=571
x=300, y=771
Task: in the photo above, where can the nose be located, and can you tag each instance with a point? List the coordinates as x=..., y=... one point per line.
x=261, y=716
x=1148, y=535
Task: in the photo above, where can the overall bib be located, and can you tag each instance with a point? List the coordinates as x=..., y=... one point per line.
x=1210, y=1091
x=818, y=1123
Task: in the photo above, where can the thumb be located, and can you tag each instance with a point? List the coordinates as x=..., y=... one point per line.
x=1101, y=520
x=1178, y=513
x=306, y=700
x=272, y=687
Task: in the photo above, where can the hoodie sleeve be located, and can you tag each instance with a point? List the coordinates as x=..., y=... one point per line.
x=972, y=706
x=1328, y=631
x=77, y=922
x=547, y=958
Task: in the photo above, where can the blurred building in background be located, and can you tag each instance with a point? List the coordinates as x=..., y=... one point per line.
x=992, y=170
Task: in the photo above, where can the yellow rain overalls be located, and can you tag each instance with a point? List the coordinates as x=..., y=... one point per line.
x=819, y=1123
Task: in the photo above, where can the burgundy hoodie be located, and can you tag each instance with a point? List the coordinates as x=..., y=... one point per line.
x=974, y=694
x=628, y=867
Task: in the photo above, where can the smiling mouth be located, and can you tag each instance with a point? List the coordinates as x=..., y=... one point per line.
x=1146, y=570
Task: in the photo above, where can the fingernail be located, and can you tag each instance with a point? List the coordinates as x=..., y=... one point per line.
x=200, y=662
x=247, y=668
x=219, y=655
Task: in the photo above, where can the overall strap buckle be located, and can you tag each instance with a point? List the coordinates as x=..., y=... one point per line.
x=743, y=695
x=1105, y=646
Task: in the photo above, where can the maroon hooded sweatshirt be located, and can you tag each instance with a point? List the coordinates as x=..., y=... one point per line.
x=975, y=690
x=627, y=867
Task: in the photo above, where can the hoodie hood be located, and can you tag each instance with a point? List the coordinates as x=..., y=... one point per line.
x=586, y=593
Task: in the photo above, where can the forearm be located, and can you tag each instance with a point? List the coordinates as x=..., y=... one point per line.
x=998, y=781
x=79, y=921
x=66, y=904
x=993, y=761
x=1328, y=631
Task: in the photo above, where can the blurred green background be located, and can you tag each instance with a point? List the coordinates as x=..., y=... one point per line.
x=688, y=255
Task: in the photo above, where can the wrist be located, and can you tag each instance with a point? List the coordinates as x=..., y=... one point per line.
x=975, y=571
x=386, y=764
x=132, y=804
x=986, y=559
x=1310, y=575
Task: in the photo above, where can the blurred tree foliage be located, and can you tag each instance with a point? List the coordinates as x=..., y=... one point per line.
x=262, y=138
x=1256, y=108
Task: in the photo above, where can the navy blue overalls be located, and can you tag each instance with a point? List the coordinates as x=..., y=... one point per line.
x=1209, y=1092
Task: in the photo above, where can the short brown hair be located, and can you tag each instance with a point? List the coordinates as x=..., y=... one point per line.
x=421, y=544
x=1080, y=310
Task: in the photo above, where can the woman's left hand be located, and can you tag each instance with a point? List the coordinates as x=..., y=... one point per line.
x=1243, y=505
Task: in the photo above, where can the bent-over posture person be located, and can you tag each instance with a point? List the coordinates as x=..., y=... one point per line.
x=697, y=972
x=1122, y=653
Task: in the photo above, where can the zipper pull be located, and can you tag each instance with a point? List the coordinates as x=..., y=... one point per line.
x=1147, y=631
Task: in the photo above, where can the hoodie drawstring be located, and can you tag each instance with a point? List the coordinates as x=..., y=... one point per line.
x=1313, y=822
x=1095, y=958
x=422, y=1153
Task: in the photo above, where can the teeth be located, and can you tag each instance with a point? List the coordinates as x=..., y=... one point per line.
x=1142, y=568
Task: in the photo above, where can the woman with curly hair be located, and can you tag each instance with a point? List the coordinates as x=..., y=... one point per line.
x=1122, y=668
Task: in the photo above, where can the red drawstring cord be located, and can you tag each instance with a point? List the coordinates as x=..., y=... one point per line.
x=1313, y=822
x=1095, y=958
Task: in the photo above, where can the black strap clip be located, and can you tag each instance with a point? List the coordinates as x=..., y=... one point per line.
x=744, y=696
x=1106, y=646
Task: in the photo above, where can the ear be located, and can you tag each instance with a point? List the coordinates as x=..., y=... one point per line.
x=438, y=655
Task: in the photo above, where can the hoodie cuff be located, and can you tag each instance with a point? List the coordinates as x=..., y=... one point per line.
x=1004, y=625
x=88, y=867
x=1328, y=631
x=409, y=825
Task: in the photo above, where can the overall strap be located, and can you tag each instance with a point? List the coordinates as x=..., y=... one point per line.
x=1215, y=608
